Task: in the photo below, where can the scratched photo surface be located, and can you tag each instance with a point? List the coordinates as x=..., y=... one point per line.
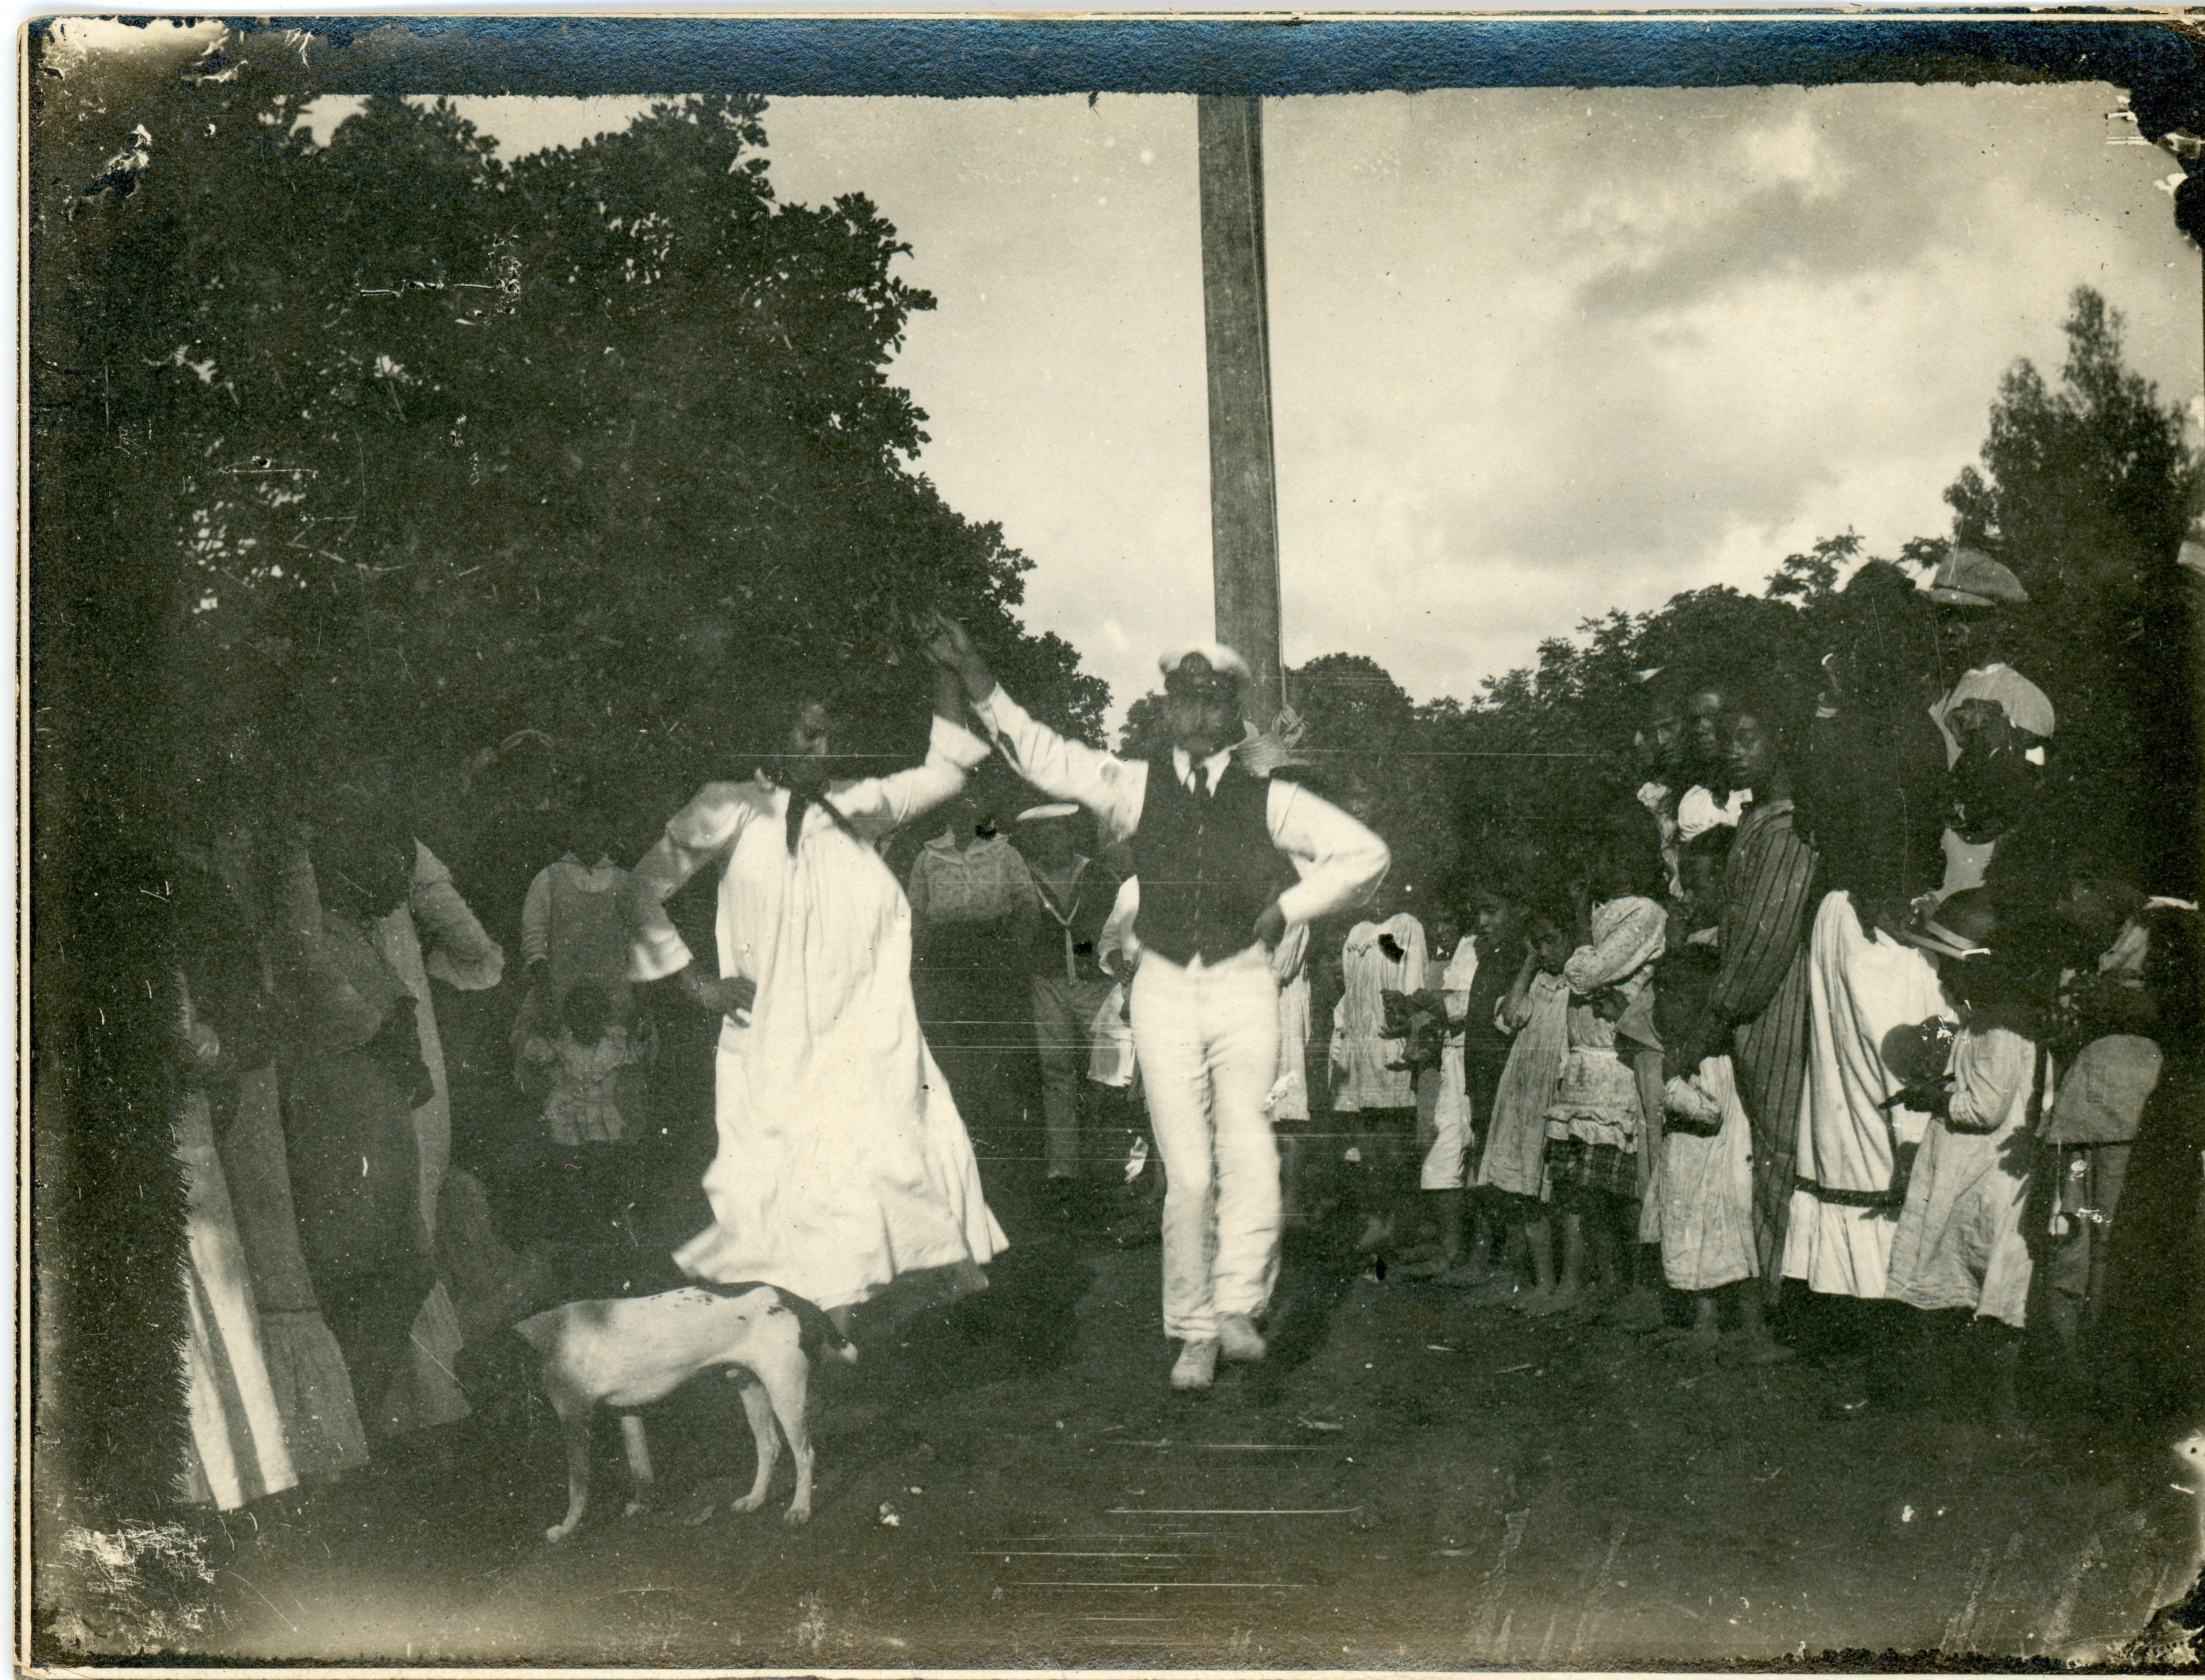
x=436, y=479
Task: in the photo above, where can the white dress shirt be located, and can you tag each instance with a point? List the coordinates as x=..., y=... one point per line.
x=1338, y=861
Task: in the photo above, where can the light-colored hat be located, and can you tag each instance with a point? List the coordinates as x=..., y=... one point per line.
x=1969, y=578
x=1222, y=660
x=1047, y=814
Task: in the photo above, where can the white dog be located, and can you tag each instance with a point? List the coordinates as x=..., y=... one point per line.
x=624, y=1354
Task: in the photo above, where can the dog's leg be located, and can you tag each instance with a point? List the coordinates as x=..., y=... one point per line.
x=759, y=1406
x=575, y=1419
x=787, y=1380
x=638, y=1461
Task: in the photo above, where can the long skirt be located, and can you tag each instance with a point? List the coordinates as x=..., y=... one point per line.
x=238, y=1451
x=356, y=1182
x=1845, y=1211
x=827, y=1210
x=1707, y=1194
x=306, y=1367
x=1769, y=1062
x=1959, y=1242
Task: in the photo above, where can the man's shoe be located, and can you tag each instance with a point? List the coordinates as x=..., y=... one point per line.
x=1238, y=1338
x=1197, y=1366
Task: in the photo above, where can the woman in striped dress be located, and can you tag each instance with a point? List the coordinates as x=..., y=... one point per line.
x=1756, y=1007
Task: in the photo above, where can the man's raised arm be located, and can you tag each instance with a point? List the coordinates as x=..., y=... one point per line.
x=1111, y=787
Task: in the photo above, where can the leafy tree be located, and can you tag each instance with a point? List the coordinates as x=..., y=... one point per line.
x=388, y=447
x=602, y=441
x=2085, y=491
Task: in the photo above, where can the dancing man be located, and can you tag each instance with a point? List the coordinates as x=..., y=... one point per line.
x=1217, y=848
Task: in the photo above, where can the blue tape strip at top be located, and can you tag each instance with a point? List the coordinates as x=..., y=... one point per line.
x=976, y=57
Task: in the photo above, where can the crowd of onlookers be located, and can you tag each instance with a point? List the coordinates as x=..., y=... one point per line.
x=1816, y=1043
x=1817, y=1003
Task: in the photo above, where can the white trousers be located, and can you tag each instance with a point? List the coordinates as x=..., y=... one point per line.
x=1207, y=1039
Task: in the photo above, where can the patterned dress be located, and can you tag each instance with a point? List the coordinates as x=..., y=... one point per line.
x=1761, y=992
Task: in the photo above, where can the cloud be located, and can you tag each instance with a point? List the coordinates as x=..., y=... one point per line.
x=1537, y=353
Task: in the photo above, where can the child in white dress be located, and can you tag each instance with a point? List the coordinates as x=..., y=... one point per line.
x=589, y=1074
x=1959, y=1248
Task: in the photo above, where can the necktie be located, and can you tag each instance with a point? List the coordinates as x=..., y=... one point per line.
x=1201, y=781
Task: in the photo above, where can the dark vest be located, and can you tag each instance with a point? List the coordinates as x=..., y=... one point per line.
x=1208, y=868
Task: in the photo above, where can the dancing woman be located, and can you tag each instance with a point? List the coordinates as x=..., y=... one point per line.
x=842, y=1164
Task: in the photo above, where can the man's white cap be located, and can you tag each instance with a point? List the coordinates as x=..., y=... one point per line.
x=1225, y=661
x=1047, y=814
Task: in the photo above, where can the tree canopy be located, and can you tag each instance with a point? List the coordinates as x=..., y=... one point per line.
x=419, y=447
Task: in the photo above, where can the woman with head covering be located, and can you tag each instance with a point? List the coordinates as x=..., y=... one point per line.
x=842, y=1163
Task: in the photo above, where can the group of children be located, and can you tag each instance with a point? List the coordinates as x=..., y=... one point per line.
x=1551, y=1020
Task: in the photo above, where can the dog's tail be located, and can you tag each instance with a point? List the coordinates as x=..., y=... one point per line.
x=816, y=1332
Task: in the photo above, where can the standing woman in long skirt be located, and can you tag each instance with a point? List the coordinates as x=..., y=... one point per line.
x=842, y=1163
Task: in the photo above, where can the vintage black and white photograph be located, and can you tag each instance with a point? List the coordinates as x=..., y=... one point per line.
x=641, y=1054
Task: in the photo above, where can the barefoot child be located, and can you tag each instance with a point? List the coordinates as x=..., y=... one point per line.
x=1433, y=1050
x=1959, y=1248
x=1498, y=915
x=1593, y=1120
x=1706, y=1182
x=1536, y=1012
x=588, y=1073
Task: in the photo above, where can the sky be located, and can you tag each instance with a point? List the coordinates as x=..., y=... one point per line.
x=1536, y=353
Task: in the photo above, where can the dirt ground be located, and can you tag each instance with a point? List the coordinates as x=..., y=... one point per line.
x=1416, y=1479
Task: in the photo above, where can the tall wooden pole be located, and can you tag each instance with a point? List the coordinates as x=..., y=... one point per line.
x=1244, y=502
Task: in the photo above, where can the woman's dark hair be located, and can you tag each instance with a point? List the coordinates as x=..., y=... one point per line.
x=1885, y=631
x=362, y=853
x=764, y=744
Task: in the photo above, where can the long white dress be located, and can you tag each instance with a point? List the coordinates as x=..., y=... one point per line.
x=1959, y=1242
x=1446, y=1095
x=238, y=1451
x=1706, y=1184
x=1358, y=1054
x=1860, y=989
x=433, y=932
x=842, y=1162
